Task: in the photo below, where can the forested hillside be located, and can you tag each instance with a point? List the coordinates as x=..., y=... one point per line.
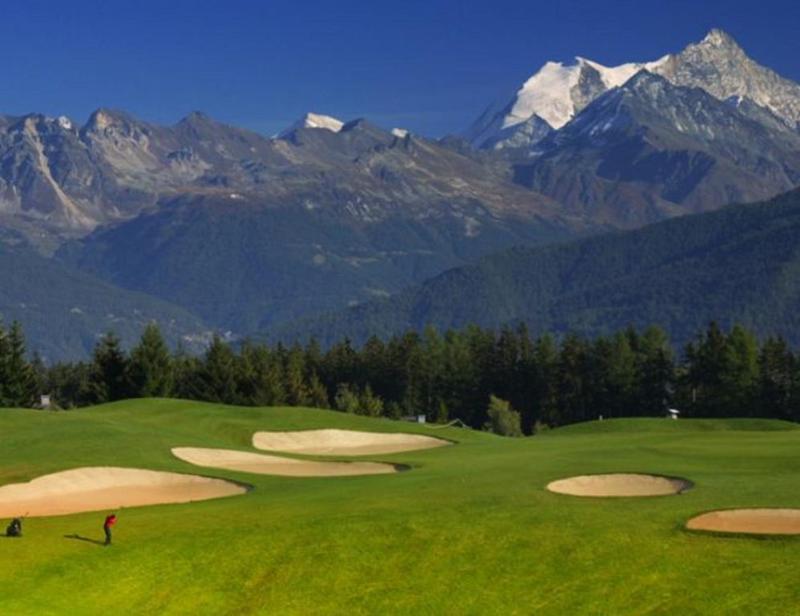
x=740, y=264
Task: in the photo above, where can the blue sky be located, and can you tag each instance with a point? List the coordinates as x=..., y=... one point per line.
x=430, y=66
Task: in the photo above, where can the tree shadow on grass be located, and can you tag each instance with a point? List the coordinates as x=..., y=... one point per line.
x=87, y=539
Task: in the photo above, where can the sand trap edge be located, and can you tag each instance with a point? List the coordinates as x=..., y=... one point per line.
x=688, y=484
x=443, y=442
x=728, y=534
x=395, y=466
x=244, y=486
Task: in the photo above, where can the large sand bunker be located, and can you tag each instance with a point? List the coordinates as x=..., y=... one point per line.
x=274, y=465
x=107, y=487
x=619, y=484
x=752, y=521
x=344, y=442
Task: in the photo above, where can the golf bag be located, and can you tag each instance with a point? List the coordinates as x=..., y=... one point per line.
x=15, y=528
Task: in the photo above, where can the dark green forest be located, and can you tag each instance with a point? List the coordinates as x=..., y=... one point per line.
x=740, y=264
x=532, y=382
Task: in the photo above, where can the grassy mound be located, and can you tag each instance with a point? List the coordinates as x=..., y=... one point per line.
x=656, y=424
x=471, y=529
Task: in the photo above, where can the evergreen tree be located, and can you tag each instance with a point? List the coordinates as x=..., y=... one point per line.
x=776, y=387
x=545, y=376
x=656, y=373
x=18, y=385
x=260, y=376
x=108, y=379
x=345, y=400
x=295, y=384
x=317, y=393
x=151, y=366
x=740, y=376
x=217, y=376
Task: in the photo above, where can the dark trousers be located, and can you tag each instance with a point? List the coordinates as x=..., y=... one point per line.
x=107, y=530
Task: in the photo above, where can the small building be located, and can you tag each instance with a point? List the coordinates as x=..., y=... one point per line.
x=673, y=413
x=45, y=402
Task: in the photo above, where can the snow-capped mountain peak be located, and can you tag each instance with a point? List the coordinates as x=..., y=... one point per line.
x=557, y=92
x=314, y=120
x=554, y=94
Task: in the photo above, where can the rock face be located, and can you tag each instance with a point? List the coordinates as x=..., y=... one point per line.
x=338, y=218
x=650, y=150
x=719, y=66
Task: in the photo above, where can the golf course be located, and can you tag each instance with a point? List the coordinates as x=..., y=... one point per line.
x=462, y=522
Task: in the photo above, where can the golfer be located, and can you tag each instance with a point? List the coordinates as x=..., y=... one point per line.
x=110, y=521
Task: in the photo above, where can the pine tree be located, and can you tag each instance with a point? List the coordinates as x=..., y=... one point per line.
x=18, y=385
x=108, y=380
x=656, y=373
x=217, y=376
x=740, y=375
x=777, y=380
x=151, y=366
x=295, y=385
x=345, y=400
x=317, y=393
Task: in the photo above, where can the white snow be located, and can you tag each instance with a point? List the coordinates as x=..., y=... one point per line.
x=64, y=122
x=314, y=120
x=400, y=132
x=548, y=92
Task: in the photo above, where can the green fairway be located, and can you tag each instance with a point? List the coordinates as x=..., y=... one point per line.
x=469, y=529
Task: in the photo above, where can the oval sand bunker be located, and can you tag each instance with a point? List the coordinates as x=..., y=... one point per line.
x=344, y=442
x=619, y=484
x=107, y=487
x=274, y=465
x=751, y=521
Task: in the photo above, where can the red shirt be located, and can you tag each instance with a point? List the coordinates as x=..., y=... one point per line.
x=110, y=520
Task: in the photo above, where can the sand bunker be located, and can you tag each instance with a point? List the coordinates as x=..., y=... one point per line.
x=619, y=484
x=343, y=442
x=107, y=487
x=752, y=521
x=274, y=465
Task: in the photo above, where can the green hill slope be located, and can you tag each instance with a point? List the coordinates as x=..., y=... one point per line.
x=651, y=424
x=469, y=529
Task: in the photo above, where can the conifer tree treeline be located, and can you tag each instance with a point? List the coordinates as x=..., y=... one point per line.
x=445, y=376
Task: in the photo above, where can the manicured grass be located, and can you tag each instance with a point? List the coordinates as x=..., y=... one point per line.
x=469, y=530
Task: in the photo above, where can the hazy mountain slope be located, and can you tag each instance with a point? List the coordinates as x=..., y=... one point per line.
x=64, y=311
x=738, y=264
x=243, y=266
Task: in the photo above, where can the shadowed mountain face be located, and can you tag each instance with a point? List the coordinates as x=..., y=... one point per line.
x=740, y=264
x=312, y=221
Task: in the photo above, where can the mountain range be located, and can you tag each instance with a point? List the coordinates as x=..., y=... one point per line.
x=222, y=229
